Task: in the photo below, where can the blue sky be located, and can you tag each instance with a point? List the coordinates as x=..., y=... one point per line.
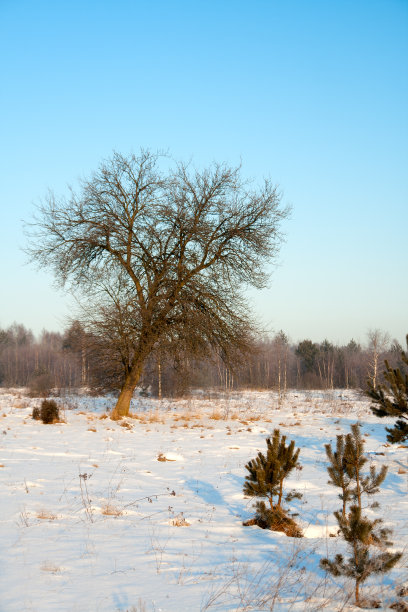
x=312, y=94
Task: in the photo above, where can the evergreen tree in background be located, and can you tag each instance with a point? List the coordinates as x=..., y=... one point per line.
x=265, y=479
x=391, y=399
x=307, y=351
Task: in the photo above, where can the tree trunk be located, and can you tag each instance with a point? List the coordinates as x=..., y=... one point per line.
x=357, y=584
x=123, y=404
x=160, y=380
x=83, y=367
x=280, y=493
x=358, y=488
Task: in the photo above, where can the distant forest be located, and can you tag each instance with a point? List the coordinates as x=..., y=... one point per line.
x=57, y=362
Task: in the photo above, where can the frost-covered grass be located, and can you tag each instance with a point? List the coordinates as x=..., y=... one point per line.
x=146, y=514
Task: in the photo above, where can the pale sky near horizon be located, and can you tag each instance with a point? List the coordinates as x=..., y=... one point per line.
x=312, y=94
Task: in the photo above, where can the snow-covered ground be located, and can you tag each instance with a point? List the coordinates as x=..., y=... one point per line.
x=146, y=514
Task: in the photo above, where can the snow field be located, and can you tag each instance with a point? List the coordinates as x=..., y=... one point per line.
x=146, y=514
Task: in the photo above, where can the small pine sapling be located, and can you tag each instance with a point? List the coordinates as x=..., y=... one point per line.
x=337, y=471
x=265, y=479
x=345, y=471
x=391, y=399
x=360, y=533
x=354, y=461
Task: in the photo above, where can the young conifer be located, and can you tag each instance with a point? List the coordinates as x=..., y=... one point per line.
x=337, y=471
x=267, y=472
x=345, y=469
x=265, y=479
x=391, y=399
x=359, y=533
x=354, y=461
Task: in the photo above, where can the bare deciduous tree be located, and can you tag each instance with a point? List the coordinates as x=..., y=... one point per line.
x=281, y=346
x=378, y=342
x=168, y=249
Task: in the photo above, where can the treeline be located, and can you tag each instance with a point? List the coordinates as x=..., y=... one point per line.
x=75, y=359
x=53, y=360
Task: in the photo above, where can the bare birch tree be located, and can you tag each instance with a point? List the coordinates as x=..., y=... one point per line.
x=280, y=345
x=378, y=342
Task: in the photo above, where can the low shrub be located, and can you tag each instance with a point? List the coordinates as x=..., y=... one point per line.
x=276, y=519
x=48, y=413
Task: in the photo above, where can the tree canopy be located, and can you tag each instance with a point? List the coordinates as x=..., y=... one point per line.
x=161, y=254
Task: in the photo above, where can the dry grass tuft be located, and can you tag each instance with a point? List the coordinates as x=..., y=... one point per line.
x=91, y=429
x=180, y=521
x=111, y=510
x=125, y=424
x=46, y=516
x=189, y=416
x=47, y=566
x=216, y=415
x=161, y=457
x=140, y=417
x=155, y=418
